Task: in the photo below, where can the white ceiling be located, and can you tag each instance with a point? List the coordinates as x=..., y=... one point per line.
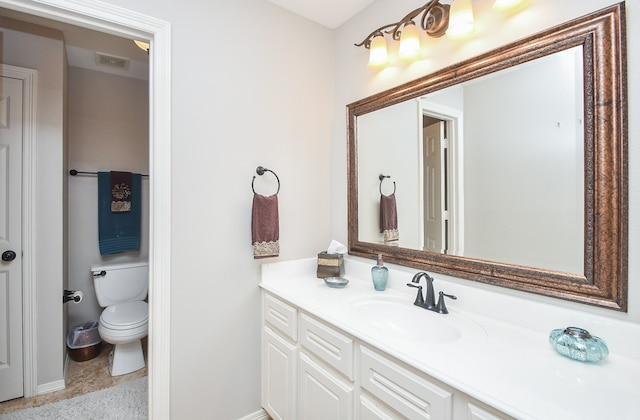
x=330, y=13
x=83, y=44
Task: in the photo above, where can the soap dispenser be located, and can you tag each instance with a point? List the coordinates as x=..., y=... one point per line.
x=379, y=275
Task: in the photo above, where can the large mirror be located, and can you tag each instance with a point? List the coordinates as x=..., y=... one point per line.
x=509, y=168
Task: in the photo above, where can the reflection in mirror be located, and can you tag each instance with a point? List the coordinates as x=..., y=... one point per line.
x=490, y=169
x=509, y=168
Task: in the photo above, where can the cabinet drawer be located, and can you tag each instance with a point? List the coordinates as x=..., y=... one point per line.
x=404, y=391
x=327, y=344
x=280, y=316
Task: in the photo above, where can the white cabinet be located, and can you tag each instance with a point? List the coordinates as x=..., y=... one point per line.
x=327, y=344
x=410, y=395
x=279, y=358
x=312, y=370
x=322, y=395
x=467, y=408
x=279, y=364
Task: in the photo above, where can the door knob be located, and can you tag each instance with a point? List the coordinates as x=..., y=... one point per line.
x=8, y=256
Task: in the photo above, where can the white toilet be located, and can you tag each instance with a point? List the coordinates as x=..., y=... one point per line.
x=121, y=290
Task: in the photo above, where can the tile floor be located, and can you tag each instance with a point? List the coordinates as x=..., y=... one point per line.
x=82, y=378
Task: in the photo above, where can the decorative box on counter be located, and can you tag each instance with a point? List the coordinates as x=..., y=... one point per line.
x=330, y=265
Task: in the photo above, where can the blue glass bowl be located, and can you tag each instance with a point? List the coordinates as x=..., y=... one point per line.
x=577, y=344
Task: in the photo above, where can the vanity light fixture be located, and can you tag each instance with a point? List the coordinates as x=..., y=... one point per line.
x=436, y=19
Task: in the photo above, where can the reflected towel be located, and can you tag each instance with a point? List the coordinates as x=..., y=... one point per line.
x=388, y=218
x=265, y=226
x=118, y=231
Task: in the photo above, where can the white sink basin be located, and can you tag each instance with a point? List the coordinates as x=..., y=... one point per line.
x=401, y=319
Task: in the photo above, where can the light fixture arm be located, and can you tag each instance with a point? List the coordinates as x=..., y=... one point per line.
x=434, y=21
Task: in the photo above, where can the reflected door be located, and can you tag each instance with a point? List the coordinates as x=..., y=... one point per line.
x=11, y=370
x=434, y=188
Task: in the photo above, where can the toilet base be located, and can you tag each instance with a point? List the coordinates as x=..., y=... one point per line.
x=126, y=358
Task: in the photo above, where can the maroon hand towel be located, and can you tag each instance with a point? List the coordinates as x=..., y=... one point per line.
x=120, y=191
x=265, y=226
x=388, y=218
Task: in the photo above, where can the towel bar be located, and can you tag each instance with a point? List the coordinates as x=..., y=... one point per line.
x=74, y=173
x=260, y=170
x=381, y=178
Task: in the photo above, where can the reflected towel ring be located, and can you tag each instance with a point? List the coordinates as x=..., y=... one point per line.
x=260, y=171
x=381, y=178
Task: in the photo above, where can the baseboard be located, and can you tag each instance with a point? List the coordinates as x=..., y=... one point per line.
x=50, y=387
x=258, y=415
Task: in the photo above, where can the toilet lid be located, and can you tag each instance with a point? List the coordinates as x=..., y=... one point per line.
x=125, y=315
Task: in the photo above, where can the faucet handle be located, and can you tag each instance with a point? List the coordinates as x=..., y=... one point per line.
x=441, y=307
x=419, y=299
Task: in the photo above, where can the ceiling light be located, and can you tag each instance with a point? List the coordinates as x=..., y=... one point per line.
x=434, y=18
x=142, y=45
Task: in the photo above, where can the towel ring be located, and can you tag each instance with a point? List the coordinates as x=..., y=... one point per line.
x=381, y=178
x=260, y=171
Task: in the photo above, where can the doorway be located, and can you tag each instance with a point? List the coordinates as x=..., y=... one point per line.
x=442, y=168
x=105, y=18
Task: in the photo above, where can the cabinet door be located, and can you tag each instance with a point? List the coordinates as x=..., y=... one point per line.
x=321, y=394
x=278, y=376
x=407, y=393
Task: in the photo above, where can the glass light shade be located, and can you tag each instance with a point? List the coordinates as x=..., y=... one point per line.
x=500, y=5
x=142, y=45
x=378, y=52
x=460, y=19
x=409, y=41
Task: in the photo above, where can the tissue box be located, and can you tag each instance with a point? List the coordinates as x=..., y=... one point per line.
x=330, y=265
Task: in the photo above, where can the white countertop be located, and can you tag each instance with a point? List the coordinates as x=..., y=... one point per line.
x=510, y=365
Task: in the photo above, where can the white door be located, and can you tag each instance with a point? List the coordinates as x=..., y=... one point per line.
x=434, y=188
x=11, y=116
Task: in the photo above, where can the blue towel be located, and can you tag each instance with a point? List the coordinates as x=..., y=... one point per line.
x=119, y=231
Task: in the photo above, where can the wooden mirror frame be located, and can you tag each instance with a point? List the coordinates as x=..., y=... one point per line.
x=603, y=37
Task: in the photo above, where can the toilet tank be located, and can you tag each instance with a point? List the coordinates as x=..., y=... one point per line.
x=117, y=283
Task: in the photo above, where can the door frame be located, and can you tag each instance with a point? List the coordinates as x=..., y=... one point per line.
x=125, y=23
x=29, y=79
x=454, y=119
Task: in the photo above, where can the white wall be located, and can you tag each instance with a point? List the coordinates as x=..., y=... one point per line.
x=251, y=85
x=43, y=51
x=108, y=130
x=392, y=148
x=532, y=168
x=355, y=81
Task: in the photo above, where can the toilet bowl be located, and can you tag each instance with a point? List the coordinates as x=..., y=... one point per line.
x=124, y=322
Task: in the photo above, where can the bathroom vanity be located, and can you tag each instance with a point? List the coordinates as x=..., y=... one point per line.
x=357, y=353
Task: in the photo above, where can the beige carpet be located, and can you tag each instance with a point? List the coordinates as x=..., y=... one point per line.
x=126, y=401
x=82, y=378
